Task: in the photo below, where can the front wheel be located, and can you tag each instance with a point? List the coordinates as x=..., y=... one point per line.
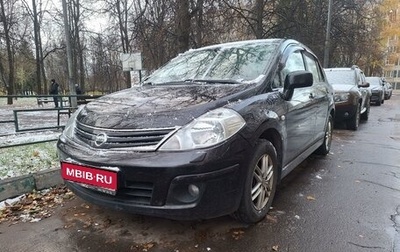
x=260, y=184
x=365, y=115
x=326, y=145
x=354, y=122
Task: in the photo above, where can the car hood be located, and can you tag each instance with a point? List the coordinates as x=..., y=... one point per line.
x=375, y=88
x=343, y=88
x=160, y=106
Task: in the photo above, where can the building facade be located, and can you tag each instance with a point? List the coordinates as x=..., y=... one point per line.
x=391, y=69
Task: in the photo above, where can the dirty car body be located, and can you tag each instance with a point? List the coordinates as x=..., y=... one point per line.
x=209, y=134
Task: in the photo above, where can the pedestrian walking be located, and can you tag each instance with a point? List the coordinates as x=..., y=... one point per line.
x=54, y=91
x=78, y=90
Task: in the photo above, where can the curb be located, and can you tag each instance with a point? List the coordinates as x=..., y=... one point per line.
x=13, y=187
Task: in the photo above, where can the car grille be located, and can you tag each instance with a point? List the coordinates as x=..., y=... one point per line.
x=139, y=193
x=137, y=139
x=136, y=192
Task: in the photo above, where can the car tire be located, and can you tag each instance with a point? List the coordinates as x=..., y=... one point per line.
x=379, y=102
x=364, y=116
x=354, y=122
x=326, y=145
x=260, y=184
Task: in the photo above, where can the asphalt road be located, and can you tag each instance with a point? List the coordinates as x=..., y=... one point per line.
x=347, y=201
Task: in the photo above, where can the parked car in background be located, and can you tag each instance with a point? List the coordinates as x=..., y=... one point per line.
x=377, y=90
x=210, y=133
x=352, y=97
x=388, y=89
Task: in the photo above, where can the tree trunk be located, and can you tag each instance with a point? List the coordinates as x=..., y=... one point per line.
x=258, y=13
x=69, y=53
x=36, y=28
x=183, y=25
x=122, y=12
x=10, y=56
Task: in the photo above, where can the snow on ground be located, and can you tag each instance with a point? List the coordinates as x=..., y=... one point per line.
x=27, y=159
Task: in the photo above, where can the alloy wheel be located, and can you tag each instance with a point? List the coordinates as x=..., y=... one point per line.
x=263, y=181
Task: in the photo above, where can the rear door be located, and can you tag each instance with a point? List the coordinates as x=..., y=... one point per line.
x=319, y=96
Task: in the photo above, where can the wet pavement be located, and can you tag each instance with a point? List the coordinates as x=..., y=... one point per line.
x=347, y=201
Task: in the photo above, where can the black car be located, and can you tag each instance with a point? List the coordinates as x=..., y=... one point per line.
x=352, y=96
x=210, y=133
x=377, y=90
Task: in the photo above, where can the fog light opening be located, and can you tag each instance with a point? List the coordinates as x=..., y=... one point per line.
x=186, y=193
x=194, y=190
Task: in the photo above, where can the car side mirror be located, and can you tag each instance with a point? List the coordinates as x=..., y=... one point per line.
x=364, y=85
x=296, y=79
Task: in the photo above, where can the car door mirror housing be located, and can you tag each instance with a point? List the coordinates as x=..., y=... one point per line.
x=297, y=79
x=364, y=85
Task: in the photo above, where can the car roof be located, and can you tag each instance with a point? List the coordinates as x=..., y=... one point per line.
x=279, y=41
x=341, y=69
x=338, y=69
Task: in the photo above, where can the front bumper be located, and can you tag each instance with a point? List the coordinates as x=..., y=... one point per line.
x=344, y=111
x=376, y=97
x=161, y=183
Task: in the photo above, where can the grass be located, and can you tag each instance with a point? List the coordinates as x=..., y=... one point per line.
x=23, y=160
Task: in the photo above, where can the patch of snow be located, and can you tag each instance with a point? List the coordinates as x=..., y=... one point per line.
x=10, y=201
x=27, y=159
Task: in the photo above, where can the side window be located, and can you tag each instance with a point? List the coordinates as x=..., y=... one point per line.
x=362, y=78
x=359, y=78
x=293, y=63
x=313, y=67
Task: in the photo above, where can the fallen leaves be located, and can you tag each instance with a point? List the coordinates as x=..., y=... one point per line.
x=35, y=206
x=271, y=218
x=237, y=234
x=310, y=198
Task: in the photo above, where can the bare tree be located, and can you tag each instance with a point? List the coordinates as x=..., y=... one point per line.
x=75, y=16
x=182, y=31
x=36, y=18
x=7, y=23
x=125, y=15
x=257, y=16
x=155, y=33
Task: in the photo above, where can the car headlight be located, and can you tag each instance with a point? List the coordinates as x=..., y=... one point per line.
x=68, y=131
x=209, y=129
x=341, y=97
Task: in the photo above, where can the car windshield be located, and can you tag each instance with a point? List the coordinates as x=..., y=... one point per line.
x=340, y=77
x=229, y=64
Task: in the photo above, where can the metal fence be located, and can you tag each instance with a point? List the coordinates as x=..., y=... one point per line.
x=64, y=108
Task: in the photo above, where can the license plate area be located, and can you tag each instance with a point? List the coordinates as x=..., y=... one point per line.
x=90, y=177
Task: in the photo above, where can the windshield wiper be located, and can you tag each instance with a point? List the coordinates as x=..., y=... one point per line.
x=210, y=81
x=222, y=81
x=164, y=83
